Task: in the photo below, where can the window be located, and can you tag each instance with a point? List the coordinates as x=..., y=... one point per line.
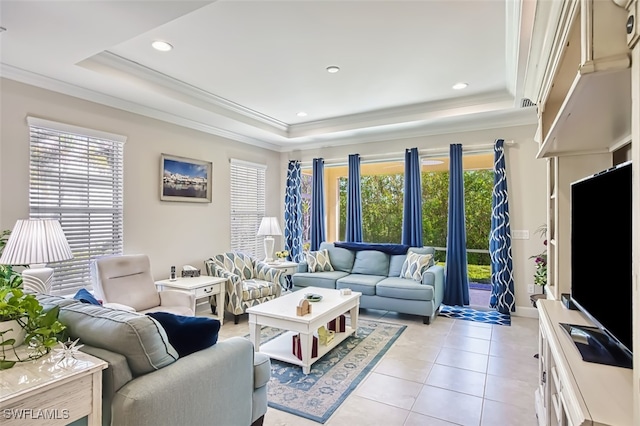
x=247, y=206
x=76, y=177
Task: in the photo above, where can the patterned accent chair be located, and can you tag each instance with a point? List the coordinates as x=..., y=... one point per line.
x=249, y=281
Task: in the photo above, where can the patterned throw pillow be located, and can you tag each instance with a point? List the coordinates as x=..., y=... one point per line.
x=415, y=265
x=318, y=261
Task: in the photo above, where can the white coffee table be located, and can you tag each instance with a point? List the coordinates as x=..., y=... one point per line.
x=281, y=313
x=202, y=286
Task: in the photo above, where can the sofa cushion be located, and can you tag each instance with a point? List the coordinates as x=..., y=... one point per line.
x=365, y=284
x=371, y=262
x=138, y=337
x=415, y=265
x=341, y=258
x=403, y=288
x=188, y=334
x=395, y=264
x=317, y=279
x=318, y=261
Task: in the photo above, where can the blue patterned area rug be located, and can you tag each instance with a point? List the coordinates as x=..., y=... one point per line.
x=469, y=314
x=318, y=394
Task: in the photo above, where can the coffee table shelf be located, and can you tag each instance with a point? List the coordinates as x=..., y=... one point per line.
x=281, y=347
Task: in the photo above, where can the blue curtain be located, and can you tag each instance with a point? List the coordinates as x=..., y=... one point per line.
x=456, y=279
x=502, y=292
x=293, y=212
x=353, y=232
x=412, y=213
x=317, y=204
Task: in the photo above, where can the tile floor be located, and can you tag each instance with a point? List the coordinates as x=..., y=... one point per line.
x=452, y=372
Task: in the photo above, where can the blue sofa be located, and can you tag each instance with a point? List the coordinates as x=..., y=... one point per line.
x=376, y=274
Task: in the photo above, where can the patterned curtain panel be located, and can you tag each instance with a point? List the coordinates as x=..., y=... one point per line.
x=412, y=213
x=502, y=292
x=354, y=201
x=456, y=278
x=293, y=212
x=317, y=204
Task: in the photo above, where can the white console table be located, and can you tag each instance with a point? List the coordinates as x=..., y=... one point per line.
x=571, y=391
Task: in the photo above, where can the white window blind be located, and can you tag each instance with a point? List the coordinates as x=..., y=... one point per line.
x=76, y=177
x=247, y=206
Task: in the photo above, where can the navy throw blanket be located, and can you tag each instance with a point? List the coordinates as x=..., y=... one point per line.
x=388, y=248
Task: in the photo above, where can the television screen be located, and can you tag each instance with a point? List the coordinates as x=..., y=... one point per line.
x=601, y=269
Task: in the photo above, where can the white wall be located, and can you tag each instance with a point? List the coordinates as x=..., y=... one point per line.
x=526, y=181
x=171, y=233
x=188, y=233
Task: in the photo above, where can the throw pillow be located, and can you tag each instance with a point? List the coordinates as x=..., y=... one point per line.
x=318, y=261
x=85, y=297
x=415, y=265
x=188, y=334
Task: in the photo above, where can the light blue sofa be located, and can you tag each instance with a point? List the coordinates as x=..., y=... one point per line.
x=377, y=276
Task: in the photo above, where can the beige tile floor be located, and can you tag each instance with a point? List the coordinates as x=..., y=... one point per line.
x=452, y=372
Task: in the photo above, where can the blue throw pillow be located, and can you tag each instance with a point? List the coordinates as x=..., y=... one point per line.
x=85, y=297
x=188, y=334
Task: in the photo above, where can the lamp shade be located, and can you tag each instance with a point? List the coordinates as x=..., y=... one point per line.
x=269, y=226
x=36, y=241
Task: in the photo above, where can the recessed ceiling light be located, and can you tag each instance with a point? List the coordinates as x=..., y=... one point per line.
x=301, y=114
x=333, y=69
x=460, y=86
x=162, y=46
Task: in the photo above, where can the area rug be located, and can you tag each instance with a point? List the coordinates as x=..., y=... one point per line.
x=332, y=378
x=469, y=314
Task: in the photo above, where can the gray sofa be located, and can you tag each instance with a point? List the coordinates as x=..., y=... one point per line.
x=377, y=276
x=147, y=383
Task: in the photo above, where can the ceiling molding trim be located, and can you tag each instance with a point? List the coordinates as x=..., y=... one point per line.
x=406, y=114
x=515, y=118
x=27, y=77
x=222, y=106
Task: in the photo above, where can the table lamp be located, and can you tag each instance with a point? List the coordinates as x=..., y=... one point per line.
x=269, y=227
x=36, y=242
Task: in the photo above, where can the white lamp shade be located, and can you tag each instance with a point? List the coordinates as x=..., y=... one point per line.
x=36, y=242
x=269, y=226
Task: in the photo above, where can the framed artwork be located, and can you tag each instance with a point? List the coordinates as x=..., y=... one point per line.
x=185, y=179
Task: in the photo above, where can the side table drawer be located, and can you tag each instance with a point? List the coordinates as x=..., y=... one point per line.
x=208, y=290
x=59, y=405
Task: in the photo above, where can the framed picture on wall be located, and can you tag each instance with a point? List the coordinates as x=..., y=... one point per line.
x=185, y=179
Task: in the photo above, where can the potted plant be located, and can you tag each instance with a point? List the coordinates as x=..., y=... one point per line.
x=540, y=275
x=23, y=319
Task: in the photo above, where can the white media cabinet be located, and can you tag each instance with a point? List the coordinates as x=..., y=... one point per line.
x=571, y=391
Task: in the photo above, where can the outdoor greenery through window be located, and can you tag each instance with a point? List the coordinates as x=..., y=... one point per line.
x=76, y=177
x=382, y=187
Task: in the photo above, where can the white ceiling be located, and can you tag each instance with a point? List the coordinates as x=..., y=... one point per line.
x=244, y=69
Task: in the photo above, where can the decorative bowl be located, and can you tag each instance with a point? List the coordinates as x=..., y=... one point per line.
x=312, y=297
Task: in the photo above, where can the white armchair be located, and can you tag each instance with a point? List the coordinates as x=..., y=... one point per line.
x=125, y=282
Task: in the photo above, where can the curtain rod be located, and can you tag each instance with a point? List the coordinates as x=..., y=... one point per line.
x=399, y=156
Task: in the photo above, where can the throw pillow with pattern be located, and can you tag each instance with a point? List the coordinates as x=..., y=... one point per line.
x=415, y=265
x=318, y=261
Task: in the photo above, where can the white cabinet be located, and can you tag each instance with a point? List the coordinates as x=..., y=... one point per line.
x=571, y=391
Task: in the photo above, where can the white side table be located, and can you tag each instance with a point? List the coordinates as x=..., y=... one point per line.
x=46, y=392
x=200, y=287
x=288, y=269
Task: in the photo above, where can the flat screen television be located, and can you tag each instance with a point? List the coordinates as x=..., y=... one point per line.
x=601, y=265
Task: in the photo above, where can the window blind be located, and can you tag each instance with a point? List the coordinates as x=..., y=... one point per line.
x=247, y=206
x=76, y=177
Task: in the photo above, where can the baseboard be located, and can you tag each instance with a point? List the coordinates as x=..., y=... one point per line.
x=525, y=311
